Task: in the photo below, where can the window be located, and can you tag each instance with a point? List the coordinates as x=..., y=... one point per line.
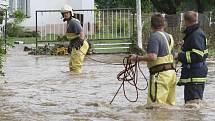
x=23, y=5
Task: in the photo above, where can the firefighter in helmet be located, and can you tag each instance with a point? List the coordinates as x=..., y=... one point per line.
x=78, y=43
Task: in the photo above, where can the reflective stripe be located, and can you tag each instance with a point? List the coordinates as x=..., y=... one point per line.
x=195, y=80
x=72, y=36
x=206, y=51
x=171, y=41
x=198, y=52
x=188, y=57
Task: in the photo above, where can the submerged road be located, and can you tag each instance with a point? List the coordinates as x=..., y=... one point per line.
x=40, y=88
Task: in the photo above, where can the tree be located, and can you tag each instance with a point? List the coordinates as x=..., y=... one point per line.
x=102, y=4
x=165, y=6
x=172, y=6
x=146, y=4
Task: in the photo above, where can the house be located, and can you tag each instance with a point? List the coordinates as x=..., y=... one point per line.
x=51, y=22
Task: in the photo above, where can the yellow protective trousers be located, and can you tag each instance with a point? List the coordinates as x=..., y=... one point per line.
x=77, y=58
x=161, y=88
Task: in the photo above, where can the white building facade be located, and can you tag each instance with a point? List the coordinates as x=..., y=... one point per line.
x=47, y=21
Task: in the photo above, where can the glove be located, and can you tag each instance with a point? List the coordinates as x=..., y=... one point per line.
x=77, y=43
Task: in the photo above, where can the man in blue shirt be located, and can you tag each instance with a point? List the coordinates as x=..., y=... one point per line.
x=159, y=60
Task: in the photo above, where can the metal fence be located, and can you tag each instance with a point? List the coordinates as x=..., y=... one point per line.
x=108, y=30
x=175, y=26
x=112, y=30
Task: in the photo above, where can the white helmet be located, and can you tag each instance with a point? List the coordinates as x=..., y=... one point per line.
x=67, y=8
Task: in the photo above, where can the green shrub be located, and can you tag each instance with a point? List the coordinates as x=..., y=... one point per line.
x=1, y=57
x=1, y=15
x=14, y=30
x=19, y=16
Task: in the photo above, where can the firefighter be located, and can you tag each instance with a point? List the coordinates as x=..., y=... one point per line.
x=78, y=43
x=193, y=59
x=159, y=60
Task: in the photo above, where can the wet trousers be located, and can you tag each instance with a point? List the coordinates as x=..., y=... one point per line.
x=77, y=58
x=193, y=91
x=162, y=88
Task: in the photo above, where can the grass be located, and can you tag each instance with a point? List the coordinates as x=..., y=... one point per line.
x=93, y=39
x=26, y=40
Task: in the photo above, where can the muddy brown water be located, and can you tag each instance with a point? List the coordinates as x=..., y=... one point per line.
x=40, y=88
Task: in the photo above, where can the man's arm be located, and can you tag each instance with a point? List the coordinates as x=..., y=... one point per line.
x=82, y=35
x=197, y=53
x=149, y=57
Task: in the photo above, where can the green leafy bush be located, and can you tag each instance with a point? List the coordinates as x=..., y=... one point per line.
x=14, y=30
x=1, y=57
x=1, y=15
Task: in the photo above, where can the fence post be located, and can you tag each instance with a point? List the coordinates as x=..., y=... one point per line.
x=36, y=32
x=181, y=20
x=210, y=16
x=139, y=24
x=5, y=31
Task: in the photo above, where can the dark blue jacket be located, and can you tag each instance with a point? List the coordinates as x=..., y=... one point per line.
x=194, y=54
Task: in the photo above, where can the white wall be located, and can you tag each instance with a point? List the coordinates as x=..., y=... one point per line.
x=55, y=18
x=44, y=5
x=89, y=16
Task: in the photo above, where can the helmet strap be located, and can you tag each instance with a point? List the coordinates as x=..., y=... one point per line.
x=67, y=19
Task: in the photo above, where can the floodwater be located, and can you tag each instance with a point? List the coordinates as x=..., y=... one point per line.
x=40, y=88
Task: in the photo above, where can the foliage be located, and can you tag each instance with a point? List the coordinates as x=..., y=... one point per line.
x=121, y=26
x=101, y=4
x=14, y=30
x=146, y=4
x=1, y=57
x=210, y=5
x=2, y=12
x=175, y=6
x=19, y=16
x=164, y=6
